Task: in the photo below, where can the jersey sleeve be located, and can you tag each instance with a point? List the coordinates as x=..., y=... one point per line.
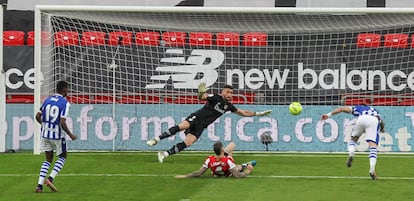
x=42, y=107
x=232, y=108
x=212, y=98
x=354, y=110
x=231, y=163
x=206, y=162
x=65, y=111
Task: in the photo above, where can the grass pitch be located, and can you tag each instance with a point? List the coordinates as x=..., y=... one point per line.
x=139, y=176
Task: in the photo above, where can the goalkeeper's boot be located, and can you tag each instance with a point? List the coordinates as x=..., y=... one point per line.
x=49, y=183
x=153, y=141
x=39, y=189
x=373, y=175
x=162, y=155
x=349, y=161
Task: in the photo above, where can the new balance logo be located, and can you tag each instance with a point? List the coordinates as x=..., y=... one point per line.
x=185, y=73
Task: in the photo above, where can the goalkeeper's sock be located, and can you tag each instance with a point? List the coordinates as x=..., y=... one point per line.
x=170, y=132
x=177, y=148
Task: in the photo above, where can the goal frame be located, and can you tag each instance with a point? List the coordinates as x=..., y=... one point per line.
x=3, y=122
x=39, y=9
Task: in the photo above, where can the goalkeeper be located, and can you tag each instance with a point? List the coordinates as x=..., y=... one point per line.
x=217, y=105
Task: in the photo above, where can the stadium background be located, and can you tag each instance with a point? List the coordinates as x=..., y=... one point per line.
x=20, y=17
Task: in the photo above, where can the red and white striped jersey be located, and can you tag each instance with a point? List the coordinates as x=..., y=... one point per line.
x=220, y=167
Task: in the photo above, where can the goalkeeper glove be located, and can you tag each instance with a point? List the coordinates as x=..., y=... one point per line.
x=202, y=89
x=263, y=113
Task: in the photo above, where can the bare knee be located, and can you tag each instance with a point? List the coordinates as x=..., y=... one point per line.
x=355, y=139
x=184, y=125
x=190, y=139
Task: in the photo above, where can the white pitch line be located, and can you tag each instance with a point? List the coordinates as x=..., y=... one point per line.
x=253, y=176
x=259, y=154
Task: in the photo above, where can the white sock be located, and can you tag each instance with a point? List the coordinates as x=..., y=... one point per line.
x=58, y=166
x=372, y=158
x=43, y=172
x=351, y=147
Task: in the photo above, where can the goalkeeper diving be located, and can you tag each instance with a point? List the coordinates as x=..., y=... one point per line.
x=193, y=125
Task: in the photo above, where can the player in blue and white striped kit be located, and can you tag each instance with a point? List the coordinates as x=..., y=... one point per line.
x=52, y=115
x=368, y=121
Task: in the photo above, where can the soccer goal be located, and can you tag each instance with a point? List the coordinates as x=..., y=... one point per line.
x=134, y=72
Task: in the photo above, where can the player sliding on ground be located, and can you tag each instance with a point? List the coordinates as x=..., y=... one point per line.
x=222, y=164
x=217, y=105
x=368, y=121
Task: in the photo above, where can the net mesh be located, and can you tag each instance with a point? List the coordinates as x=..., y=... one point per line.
x=270, y=59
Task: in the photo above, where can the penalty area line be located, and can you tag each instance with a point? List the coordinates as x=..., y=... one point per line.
x=252, y=176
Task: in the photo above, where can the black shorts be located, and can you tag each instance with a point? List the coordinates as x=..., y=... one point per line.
x=196, y=126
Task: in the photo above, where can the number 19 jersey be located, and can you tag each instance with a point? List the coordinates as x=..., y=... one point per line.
x=53, y=109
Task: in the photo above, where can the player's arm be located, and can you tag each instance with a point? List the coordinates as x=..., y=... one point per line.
x=248, y=113
x=39, y=117
x=336, y=111
x=197, y=173
x=382, y=126
x=202, y=91
x=66, y=129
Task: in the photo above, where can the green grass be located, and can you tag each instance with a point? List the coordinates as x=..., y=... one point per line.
x=138, y=176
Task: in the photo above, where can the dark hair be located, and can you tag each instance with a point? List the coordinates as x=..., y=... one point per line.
x=61, y=85
x=227, y=86
x=217, y=147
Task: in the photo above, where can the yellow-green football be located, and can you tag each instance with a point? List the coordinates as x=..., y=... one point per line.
x=295, y=108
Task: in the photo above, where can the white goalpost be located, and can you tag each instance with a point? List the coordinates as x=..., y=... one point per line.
x=2, y=88
x=134, y=71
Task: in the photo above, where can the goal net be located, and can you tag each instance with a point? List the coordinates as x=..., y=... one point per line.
x=134, y=71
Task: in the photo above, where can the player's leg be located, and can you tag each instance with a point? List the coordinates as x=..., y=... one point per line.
x=188, y=141
x=44, y=169
x=193, y=132
x=229, y=149
x=372, y=159
x=61, y=151
x=356, y=133
x=351, y=150
x=372, y=137
x=170, y=132
x=247, y=166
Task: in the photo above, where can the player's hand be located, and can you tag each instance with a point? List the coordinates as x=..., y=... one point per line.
x=324, y=117
x=73, y=137
x=181, y=176
x=382, y=126
x=263, y=113
x=202, y=88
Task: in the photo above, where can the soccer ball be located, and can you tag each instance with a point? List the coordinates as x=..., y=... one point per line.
x=295, y=108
